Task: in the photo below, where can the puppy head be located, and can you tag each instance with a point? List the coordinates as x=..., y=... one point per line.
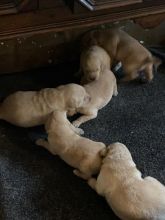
x=75, y=96
x=91, y=70
x=93, y=61
x=116, y=152
x=150, y=64
x=90, y=63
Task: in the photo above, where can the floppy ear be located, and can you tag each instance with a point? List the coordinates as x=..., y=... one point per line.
x=73, y=102
x=104, y=152
x=156, y=61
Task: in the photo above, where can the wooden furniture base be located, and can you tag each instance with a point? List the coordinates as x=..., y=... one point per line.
x=33, y=31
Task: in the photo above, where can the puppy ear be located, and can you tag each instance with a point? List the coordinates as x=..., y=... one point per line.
x=104, y=152
x=73, y=103
x=156, y=61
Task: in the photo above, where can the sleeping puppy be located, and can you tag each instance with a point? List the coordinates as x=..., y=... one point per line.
x=123, y=48
x=31, y=108
x=101, y=92
x=129, y=195
x=79, y=152
x=93, y=61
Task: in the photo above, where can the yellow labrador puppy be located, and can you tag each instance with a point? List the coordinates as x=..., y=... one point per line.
x=129, y=195
x=93, y=61
x=79, y=152
x=31, y=108
x=101, y=92
x=123, y=48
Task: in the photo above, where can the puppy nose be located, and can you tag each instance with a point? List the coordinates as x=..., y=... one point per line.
x=92, y=78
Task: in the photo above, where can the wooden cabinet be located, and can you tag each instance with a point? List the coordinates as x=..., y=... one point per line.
x=16, y=6
x=35, y=33
x=28, y=17
x=105, y=4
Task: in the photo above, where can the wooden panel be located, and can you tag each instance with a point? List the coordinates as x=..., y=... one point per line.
x=5, y=1
x=24, y=53
x=150, y=21
x=61, y=18
x=43, y=4
x=100, y=2
x=46, y=49
x=15, y=6
x=105, y=4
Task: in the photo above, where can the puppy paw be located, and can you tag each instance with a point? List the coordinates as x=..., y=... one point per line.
x=92, y=183
x=79, y=131
x=115, y=93
x=80, y=174
x=76, y=124
x=71, y=112
x=39, y=142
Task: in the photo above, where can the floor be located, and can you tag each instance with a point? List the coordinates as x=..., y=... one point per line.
x=35, y=185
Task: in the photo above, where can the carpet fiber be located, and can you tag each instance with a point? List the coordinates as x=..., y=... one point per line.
x=35, y=185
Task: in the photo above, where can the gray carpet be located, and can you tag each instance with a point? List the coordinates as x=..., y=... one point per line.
x=34, y=185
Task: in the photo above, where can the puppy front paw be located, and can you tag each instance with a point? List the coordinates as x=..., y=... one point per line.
x=79, y=131
x=71, y=112
x=115, y=93
x=39, y=142
x=80, y=174
x=92, y=183
x=76, y=124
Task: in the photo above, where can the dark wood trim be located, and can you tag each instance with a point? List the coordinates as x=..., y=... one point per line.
x=28, y=39
x=7, y=8
x=45, y=4
x=93, y=5
x=43, y=21
x=13, y=7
